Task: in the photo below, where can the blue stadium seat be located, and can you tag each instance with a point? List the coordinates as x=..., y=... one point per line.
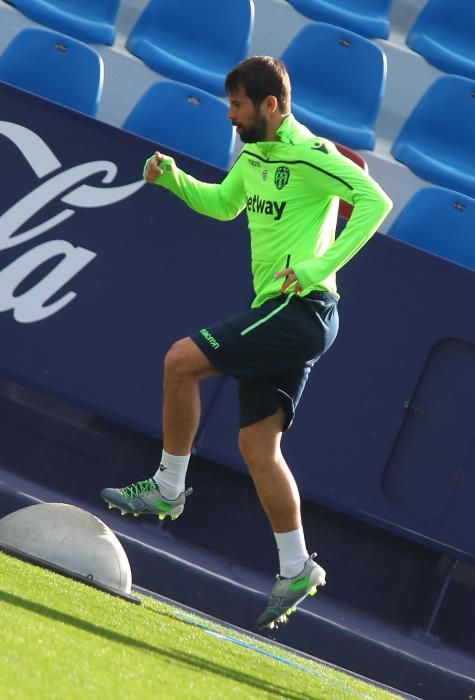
x=440, y=221
x=87, y=20
x=194, y=42
x=338, y=81
x=369, y=18
x=437, y=141
x=187, y=119
x=54, y=66
x=444, y=33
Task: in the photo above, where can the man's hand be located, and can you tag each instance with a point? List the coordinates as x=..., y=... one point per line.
x=153, y=169
x=290, y=278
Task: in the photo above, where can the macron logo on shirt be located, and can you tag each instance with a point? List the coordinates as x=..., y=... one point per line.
x=266, y=206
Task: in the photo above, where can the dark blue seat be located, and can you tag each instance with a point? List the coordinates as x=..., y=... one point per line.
x=54, y=66
x=88, y=20
x=367, y=17
x=194, y=42
x=338, y=82
x=444, y=33
x=440, y=221
x=187, y=119
x=437, y=141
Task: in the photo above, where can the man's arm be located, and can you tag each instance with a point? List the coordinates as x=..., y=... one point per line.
x=222, y=201
x=337, y=176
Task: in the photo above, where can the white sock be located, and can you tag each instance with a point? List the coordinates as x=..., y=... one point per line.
x=292, y=552
x=170, y=475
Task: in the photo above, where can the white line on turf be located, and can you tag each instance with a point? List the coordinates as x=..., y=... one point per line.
x=235, y=640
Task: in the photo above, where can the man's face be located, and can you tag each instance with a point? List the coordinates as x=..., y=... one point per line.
x=250, y=122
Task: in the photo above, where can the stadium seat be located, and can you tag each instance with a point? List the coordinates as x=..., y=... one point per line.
x=345, y=207
x=338, y=81
x=444, y=33
x=54, y=66
x=369, y=18
x=440, y=221
x=184, y=118
x=194, y=42
x=437, y=141
x=87, y=20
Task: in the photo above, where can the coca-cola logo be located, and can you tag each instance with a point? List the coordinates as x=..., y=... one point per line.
x=55, y=184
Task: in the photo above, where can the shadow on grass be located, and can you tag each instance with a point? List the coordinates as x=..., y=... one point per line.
x=191, y=660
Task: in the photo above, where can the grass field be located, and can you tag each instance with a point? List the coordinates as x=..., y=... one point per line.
x=63, y=639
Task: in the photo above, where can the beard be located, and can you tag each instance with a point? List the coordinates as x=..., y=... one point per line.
x=256, y=131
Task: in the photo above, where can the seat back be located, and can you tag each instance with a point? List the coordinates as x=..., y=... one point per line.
x=87, y=20
x=187, y=119
x=444, y=33
x=440, y=221
x=437, y=141
x=340, y=77
x=54, y=66
x=371, y=18
x=210, y=36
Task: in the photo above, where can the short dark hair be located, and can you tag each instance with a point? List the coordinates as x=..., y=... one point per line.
x=261, y=76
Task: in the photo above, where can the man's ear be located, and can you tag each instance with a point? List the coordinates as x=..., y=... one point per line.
x=271, y=104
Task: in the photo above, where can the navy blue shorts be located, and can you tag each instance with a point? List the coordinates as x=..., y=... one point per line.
x=271, y=349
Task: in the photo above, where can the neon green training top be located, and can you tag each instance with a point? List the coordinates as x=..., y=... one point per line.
x=290, y=189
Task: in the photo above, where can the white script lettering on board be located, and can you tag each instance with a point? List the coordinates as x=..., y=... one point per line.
x=69, y=188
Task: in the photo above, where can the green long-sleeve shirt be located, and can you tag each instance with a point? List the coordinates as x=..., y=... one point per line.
x=291, y=190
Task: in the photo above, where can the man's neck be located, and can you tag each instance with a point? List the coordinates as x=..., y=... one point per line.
x=274, y=126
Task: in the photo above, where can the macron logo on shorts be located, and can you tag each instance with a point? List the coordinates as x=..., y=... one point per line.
x=212, y=341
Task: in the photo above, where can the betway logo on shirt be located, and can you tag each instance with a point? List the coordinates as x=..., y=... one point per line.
x=266, y=206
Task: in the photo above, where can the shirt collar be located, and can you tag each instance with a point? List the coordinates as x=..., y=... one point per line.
x=290, y=130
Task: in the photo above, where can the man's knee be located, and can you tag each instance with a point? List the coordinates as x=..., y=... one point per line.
x=185, y=360
x=176, y=356
x=247, y=446
x=260, y=442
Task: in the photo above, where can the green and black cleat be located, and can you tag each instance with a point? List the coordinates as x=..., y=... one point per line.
x=287, y=593
x=144, y=498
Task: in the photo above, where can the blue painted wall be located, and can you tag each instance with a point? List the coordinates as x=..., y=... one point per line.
x=385, y=429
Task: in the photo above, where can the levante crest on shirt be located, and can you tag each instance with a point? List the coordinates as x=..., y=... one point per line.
x=281, y=176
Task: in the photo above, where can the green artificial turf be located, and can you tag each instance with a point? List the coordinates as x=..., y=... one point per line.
x=62, y=639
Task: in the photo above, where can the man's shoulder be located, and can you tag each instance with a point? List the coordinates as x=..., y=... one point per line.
x=315, y=147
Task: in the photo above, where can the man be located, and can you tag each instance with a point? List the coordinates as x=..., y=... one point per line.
x=290, y=182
